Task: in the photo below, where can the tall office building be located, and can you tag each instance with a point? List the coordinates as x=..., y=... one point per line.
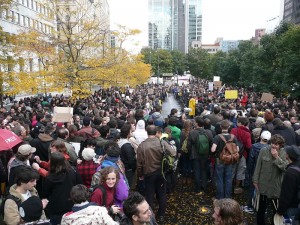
x=291, y=11
x=174, y=24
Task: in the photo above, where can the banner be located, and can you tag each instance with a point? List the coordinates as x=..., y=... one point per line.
x=231, y=94
x=150, y=91
x=62, y=114
x=210, y=86
x=267, y=97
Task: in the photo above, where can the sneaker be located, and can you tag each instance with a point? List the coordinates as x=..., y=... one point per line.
x=238, y=190
x=248, y=209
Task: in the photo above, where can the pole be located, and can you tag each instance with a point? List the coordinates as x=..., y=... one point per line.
x=157, y=66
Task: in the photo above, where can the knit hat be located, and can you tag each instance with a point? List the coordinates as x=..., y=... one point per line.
x=26, y=149
x=86, y=121
x=88, y=154
x=293, y=152
x=265, y=135
x=31, y=209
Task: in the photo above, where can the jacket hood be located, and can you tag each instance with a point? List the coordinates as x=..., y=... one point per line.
x=16, y=162
x=57, y=178
x=140, y=125
x=156, y=115
x=45, y=137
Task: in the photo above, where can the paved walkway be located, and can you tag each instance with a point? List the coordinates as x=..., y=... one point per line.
x=169, y=104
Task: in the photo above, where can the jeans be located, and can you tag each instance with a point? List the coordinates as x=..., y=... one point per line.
x=155, y=184
x=263, y=203
x=200, y=169
x=223, y=180
x=186, y=166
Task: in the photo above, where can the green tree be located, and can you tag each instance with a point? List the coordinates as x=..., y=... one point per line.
x=199, y=63
x=179, y=62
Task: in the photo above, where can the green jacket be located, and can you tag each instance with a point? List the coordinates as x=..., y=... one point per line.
x=269, y=172
x=175, y=132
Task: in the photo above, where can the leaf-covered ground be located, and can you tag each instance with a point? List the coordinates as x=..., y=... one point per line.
x=184, y=205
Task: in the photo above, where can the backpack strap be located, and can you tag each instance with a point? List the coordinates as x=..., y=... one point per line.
x=231, y=137
x=99, y=186
x=222, y=138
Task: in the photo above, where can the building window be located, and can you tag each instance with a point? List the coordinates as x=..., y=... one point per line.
x=30, y=65
x=21, y=64
x=18, y=18
x=28, y=22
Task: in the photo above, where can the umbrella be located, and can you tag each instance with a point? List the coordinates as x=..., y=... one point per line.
x=8, y=139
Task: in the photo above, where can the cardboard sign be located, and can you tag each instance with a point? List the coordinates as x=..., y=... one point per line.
x=210, y=86
x=150, y=91
x=267, y=97
x=231, y=94
x=62, y=114
x=216, y=78
x=217, y=84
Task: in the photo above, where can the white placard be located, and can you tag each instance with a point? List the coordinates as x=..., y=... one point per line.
x=216, y=78
x=76, y=146
x=210, y=86
x=62, y=114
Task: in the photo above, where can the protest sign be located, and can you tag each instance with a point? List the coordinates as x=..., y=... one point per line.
x=62, y=114
x=210, y=86
x=217, y=84
x=216, y=78
x=231, y=94
x=267, y=97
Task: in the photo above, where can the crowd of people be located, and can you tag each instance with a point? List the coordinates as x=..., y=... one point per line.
x=105, y=165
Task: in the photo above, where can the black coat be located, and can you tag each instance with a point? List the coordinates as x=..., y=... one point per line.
x=287, y=133
x=57, y=190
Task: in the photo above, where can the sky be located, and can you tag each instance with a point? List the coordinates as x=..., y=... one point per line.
x=230, y=19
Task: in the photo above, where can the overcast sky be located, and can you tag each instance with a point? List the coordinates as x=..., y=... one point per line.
x=230, y=19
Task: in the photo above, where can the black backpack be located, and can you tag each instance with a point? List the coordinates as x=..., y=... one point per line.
x=9, y=196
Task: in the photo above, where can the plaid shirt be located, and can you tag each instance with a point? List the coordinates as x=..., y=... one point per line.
x=86, y=170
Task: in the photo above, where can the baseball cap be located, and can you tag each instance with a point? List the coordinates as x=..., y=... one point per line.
x=26, y=149
x=265, y=135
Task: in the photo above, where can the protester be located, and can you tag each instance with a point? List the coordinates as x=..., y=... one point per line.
x=268, y=174
x=137, y=211
x=227, y=212
x=85, y=212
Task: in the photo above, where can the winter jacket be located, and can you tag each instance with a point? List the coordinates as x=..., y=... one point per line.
x=57, y=190
x=42, y=144
x=269, y=172
x=287, y=133
x=97, y=196
x=289, y=189
x=128, y=155
x=150, y=154
x=16, y=166
x=88, y=214
x=11, y=211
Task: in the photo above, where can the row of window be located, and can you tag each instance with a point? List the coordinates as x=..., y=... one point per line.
x=34, y=5
x=17, y=18
x=28, y=63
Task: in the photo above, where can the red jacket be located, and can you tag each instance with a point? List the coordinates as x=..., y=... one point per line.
x=243, y=134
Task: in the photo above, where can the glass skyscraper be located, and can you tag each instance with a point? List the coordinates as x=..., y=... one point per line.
x=174, y=24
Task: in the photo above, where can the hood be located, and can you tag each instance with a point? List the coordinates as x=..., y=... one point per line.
x=107, y=163
x=45, y=137
x=17, y=162
x=140, y=125
x=57, y=178
x=122, y=142
x=258, y=146
x=156, y=115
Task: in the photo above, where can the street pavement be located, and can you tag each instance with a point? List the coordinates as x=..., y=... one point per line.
x=169, y=104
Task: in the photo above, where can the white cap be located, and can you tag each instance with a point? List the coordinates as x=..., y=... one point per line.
x=265, y=135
